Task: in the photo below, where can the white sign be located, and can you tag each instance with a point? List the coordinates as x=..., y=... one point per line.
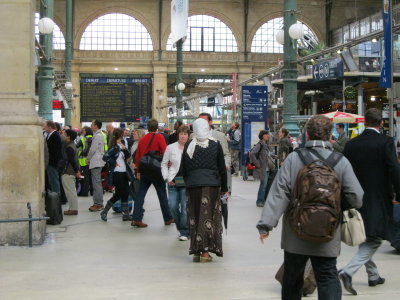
x=179, y=20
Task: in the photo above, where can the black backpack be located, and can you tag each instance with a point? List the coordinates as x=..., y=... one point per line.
x=315, y=206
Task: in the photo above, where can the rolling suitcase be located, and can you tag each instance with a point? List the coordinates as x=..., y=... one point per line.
x=53, y=208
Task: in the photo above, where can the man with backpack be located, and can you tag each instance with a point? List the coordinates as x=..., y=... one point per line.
x=308, y=192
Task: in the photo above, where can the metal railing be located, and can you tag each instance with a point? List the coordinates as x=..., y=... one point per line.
x=29, y=219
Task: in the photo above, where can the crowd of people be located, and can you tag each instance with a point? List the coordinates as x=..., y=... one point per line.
x=191, y=170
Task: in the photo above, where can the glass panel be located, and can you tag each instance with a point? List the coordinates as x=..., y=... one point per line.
x=116, y=32
x=222, y=39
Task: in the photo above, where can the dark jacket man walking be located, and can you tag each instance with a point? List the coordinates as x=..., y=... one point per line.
x=373, y=157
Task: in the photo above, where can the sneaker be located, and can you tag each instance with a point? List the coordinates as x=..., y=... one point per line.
x=96, y=207
x=183, y=238
x=260, y=204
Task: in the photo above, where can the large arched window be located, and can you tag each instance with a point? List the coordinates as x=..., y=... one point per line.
x=207, y=33
x=58, y=37
x=264, y=40
x=116, y=32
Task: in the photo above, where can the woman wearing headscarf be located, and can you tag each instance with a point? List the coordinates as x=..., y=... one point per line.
x=204, y=172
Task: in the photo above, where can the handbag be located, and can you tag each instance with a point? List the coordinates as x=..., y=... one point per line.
x=179, y=182
x=129, y=173
x=353, y=231
x=150, y=163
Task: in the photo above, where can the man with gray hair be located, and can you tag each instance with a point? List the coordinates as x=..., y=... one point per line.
x=283, y=194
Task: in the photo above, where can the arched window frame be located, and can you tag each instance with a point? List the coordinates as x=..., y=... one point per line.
x=201, y=37
x=120, y=37
x=269, y=29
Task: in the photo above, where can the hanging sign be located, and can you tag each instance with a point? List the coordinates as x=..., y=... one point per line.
x=386, y=74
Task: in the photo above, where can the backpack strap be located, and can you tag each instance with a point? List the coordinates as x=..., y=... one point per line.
x=331, y=160
x=305, y=156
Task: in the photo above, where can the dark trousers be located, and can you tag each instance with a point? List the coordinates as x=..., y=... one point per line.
x=161, y=189
x=86, y=182
x=325, y=271
x=121, y=183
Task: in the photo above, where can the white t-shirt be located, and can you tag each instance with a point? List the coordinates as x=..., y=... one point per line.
x=121, y=167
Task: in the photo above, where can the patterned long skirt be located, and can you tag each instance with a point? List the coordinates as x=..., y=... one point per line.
x=205, y=220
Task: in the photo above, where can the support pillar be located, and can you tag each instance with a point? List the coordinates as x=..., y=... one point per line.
x=21, y=138
x=68, y=57
x=160, y=88
x=45, y=78
x=179, y=75
x=289, y=72
x=360, y=101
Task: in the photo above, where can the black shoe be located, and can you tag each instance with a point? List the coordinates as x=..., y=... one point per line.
x=346, y=280
x=126, y=218
x=103, y=215
x=380, y=280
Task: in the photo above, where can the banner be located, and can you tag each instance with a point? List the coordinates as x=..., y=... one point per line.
x=179, y=20
x=386, y=74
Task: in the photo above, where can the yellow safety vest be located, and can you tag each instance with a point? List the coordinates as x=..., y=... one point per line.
x=105, y=141
x=82, y=159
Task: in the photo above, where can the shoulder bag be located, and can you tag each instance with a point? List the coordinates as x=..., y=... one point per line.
x=353, y=231
x=150, y=163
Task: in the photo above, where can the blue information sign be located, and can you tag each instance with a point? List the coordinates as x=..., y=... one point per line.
x=254, y=115
x=329, y=69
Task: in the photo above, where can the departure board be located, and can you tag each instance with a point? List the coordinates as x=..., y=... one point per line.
x=115, y=99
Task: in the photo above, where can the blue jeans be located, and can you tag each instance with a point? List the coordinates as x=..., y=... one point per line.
x=325, y=272
x=54, y=179
x=177, y=205
x=144, y=185
x=262, y=189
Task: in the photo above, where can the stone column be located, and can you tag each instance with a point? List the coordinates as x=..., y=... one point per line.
x=160, y=88
x=21, y=138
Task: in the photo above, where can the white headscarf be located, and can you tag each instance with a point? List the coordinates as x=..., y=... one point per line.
x=201, y=136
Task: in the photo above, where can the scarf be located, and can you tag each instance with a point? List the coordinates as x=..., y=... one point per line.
x=201, y=136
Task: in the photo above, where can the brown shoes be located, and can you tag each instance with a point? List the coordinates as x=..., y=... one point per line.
x=96, y=207
x=70, y=212
x=169, y=222
x=139, y=224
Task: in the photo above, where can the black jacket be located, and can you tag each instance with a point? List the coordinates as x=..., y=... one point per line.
x=54, y=145
x=373, y=157
x=206, y=167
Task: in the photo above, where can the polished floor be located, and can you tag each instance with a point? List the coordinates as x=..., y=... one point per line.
x=86, y=258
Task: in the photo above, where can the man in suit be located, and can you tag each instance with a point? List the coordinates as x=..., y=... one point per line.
x=96, y=163
x=54, y=146
x=373, y=157
x=224, y=143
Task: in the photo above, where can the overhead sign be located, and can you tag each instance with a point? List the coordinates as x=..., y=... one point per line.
x=330, y=69
x=179, y=20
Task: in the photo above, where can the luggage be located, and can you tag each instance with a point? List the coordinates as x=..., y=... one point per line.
x=315, y=206
x=53, y=208
x=395, y=242
x=309, y=279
